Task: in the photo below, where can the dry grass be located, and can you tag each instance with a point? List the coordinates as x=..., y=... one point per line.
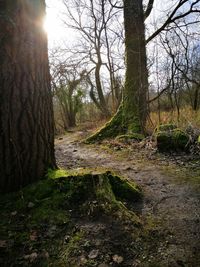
x=188, y=117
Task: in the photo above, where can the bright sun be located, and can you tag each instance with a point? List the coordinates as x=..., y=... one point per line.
x=54, y=26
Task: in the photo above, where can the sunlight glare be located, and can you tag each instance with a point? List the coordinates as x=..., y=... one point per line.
x=54, y=26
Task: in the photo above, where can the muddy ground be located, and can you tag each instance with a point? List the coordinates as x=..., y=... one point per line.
x=170, y=210
x=40, y=227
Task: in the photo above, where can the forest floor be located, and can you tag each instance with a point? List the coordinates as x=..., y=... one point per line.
x=40, y=228
x=170, y=210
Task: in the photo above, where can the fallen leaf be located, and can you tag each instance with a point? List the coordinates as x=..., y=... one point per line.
x=33, y=235
x=93, y=254
x=3, y=243
x=32, y=257
x=31, y=205
x=117, y=259
x=14, y=213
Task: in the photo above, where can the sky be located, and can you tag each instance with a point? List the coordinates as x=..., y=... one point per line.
x=56, y=30
x=59, y=33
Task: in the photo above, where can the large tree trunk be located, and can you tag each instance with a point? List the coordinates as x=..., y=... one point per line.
x=136, y=80
x=132, y=114
x=26, y=115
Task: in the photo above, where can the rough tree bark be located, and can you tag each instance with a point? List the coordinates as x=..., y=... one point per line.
x=26, y=115
x=132, y=114
x=136, y=81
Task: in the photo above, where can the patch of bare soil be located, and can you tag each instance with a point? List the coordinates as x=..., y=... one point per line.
x=170, y=210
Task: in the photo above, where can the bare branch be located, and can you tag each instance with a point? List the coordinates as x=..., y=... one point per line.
x=148, y=9
x=172, y=18
x=115, y=4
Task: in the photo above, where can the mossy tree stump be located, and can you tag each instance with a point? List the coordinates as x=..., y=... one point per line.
x=169, y=137
x=47, y=216
x=94, y=194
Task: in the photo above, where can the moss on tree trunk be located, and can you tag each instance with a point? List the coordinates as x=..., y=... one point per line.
x=132, y=114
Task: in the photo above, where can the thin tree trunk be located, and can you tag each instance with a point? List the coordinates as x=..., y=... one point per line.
x=102, y=101
x=26, y=115
x=196, y=98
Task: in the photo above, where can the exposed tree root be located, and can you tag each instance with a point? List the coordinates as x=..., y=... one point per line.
x=120, y=124
x=111, y=129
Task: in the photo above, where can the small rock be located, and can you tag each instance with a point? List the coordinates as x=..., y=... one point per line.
x=136, y=263
x=128, y=169
x=31, y=205
x=3, y=243
x=32, y=257
x=116, y=148
x=97, y=243
x=118, y=259
x=93, y=254
x=33, y=236
x=67, y=238
x=82, y=260
x=14, y=213
x=45, y=254
x=52, y=231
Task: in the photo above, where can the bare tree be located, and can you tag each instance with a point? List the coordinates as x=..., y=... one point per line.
x=133, y=112
x=67, y=90
x=98, y=47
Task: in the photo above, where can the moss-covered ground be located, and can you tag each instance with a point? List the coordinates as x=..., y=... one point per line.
x=43, y=224
x=86, y=216
x=170, y=208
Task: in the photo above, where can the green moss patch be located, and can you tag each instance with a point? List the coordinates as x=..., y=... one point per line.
x=123, y=189
x=36, y=220
x=97, y=193
x=130, y=137
x=54, y=174
x=170, y=138
x=111, y=129
x=118, y=127
x=165, y=127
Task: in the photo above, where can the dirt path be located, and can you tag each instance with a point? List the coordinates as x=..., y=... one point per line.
x=170, y=208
